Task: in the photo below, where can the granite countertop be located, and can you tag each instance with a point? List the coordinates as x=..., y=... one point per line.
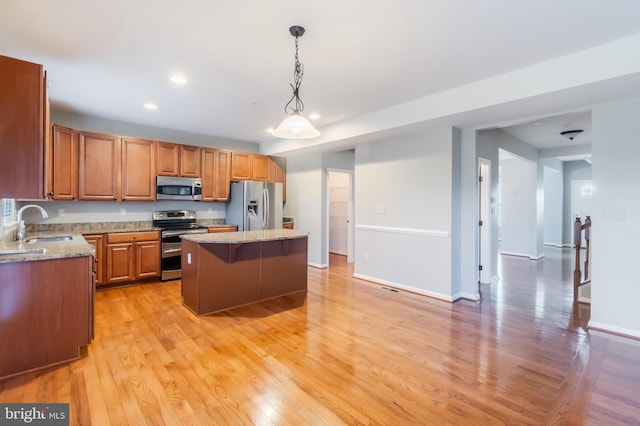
x=242, y=237
x=77, y=246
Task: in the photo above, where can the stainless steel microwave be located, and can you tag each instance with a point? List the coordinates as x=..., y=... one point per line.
x=178, y=188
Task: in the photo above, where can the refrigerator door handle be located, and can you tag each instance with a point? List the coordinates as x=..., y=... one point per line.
x=265, y=208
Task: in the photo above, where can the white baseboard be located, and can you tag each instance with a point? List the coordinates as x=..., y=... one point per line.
x=607, y=328
x=318, y=265
x=420, y=291
x=510, y=253
x=554, y=245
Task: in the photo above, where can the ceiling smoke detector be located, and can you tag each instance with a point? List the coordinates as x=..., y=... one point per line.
x=570, y=134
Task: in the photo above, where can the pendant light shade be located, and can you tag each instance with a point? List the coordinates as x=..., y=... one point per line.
x=295, y=125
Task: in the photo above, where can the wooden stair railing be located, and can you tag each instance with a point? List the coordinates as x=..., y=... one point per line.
x=578, y=228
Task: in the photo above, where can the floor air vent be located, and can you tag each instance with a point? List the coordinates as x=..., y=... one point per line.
x=393, y=290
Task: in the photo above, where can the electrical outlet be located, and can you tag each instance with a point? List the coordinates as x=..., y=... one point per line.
x=189, y=258
x=380, y=209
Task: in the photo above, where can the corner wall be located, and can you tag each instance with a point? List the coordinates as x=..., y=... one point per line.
x=404, y=199
x=616, y=217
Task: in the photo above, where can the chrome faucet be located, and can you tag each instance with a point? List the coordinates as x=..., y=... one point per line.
x=22, y=233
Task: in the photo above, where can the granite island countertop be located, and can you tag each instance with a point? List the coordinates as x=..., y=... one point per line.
x=242, y=237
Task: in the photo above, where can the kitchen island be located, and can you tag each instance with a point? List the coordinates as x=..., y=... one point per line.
x=223, y=271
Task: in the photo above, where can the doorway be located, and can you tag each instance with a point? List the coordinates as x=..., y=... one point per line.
x=484, y=221
x=580, y=202
x=340, y=213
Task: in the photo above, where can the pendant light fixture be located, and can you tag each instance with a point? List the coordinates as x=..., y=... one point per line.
x=295, y=125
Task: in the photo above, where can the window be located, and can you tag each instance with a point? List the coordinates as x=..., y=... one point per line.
x=8, y=211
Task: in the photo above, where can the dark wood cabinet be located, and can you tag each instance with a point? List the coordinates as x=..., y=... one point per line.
x=138, y=170
x=23, y=127
x=63, y=167
x=132, y=256
x=99, y=167
x=97, y=241
x=241, y=166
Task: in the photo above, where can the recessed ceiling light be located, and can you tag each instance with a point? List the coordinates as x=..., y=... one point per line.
x=151, y=106
x=314, y=116
x=179, y=79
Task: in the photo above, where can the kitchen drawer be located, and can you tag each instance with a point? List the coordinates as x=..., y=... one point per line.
x=223, y=229
x=128, y=237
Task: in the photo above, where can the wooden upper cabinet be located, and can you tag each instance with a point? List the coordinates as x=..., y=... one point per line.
x=216, y=169
x=168, y=159
x=99, y=167
x=280, y=175
x=223, y=175
x=241, y=166
x=178, y=160
x=262, y=167
x=208, y=174
x=22, y=129
x=138, y=170
x=190, y=161
x=63, y=167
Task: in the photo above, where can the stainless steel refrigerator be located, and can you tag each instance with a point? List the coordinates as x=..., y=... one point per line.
x=255, y=205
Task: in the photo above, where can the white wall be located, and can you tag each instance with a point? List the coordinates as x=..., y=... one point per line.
x=519, y=188
x=305, y=183
x=616, y=221
x=404, y=212
x=553, y=193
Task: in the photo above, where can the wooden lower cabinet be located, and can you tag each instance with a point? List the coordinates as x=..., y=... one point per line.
x=132, y=256
x=223, y=229
x=47, y=312
x=97, y=241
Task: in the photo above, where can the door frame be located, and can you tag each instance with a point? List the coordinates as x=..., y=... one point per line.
x=350, y=215
x=485, y=253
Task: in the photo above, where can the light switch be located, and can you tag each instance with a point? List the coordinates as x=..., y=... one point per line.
x=189, y=258
x=380, y=209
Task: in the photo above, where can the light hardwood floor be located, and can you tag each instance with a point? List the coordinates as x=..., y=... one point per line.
x=349, y=352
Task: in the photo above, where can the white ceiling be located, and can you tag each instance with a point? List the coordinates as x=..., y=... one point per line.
x=106, y=58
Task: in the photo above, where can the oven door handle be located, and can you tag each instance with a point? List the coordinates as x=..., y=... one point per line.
x=174, y=250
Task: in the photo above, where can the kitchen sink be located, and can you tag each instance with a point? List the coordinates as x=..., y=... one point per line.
x=8, y=252
x=51, y=239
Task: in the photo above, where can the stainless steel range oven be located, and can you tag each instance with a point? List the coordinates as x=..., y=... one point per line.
x=173, y=224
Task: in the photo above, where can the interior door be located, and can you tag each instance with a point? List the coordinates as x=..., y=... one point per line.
x=338, y=212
